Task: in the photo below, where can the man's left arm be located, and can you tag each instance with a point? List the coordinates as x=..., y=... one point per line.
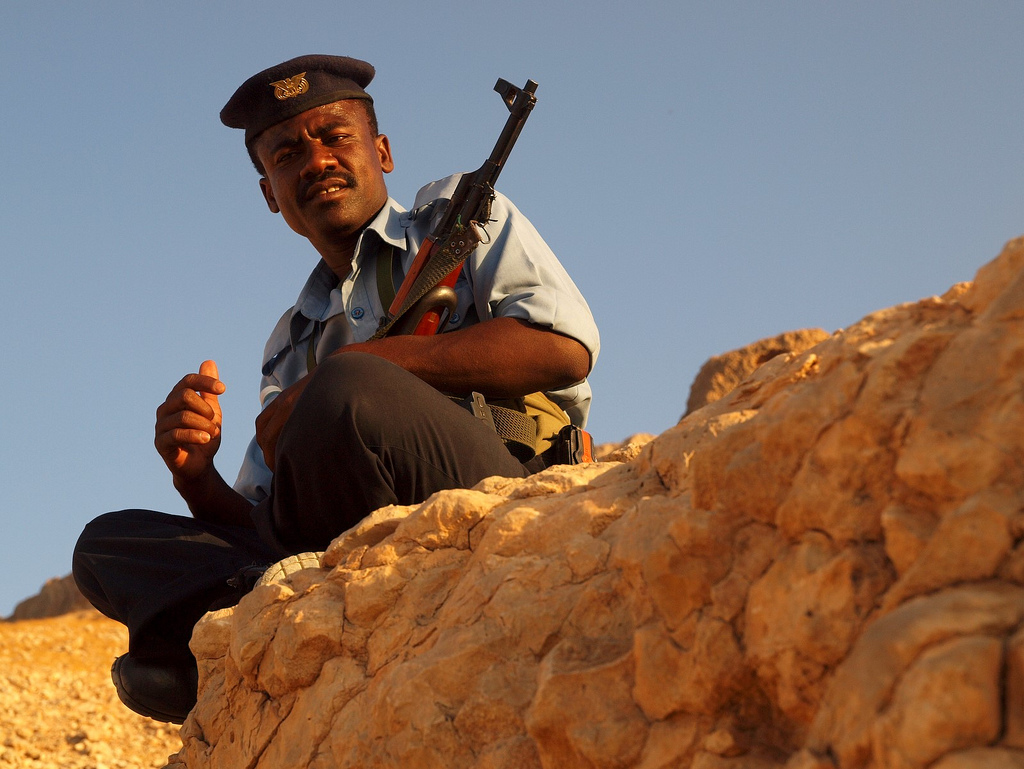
x=500, y=358
x=534, y=333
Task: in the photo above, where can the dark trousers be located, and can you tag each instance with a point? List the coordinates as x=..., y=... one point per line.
x=364, y=434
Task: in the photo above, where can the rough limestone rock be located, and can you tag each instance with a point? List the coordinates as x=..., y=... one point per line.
x=823, y=569
x=722, y=373
x=59, y=595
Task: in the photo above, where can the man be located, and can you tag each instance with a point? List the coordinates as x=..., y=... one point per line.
x=349, y=424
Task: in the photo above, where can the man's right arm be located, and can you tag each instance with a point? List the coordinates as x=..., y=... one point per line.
x=188, y=430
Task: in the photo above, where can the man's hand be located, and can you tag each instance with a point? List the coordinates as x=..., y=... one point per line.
x=273, y=417
x=188, y=425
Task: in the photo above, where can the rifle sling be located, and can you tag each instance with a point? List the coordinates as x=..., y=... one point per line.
x=386, y=275
x=385, y=266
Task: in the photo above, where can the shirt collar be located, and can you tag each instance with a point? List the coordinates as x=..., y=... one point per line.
x=388, y=226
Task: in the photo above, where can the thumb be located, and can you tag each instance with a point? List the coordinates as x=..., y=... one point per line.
x=209, y=368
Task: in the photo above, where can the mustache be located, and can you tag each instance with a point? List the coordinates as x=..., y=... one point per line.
x=326, y=178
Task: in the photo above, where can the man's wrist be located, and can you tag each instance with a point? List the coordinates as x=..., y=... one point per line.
x=197, y=487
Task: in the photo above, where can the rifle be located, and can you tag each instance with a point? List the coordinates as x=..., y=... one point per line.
x=426, y=299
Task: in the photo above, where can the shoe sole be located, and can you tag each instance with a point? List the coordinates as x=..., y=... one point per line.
x=289, y=566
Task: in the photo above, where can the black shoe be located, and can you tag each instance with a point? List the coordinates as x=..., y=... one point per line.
x=163, y=691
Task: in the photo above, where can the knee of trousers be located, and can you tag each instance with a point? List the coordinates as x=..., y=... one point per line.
x=105, y=531
x=113, y=534
x=98, y=535
x=348, y=395
x=96, y=542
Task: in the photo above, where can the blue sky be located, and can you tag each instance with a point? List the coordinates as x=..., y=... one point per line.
x=709, y=174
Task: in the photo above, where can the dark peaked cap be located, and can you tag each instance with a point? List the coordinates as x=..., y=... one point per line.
x=276, y=94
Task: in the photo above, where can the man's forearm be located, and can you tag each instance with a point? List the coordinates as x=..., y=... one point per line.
x=503, y=357
x=211, y=499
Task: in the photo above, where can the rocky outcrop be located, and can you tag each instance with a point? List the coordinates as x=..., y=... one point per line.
x=823, y=569
x=721, y=373
x=59, y=595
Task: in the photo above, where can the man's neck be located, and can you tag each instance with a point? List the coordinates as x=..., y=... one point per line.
x=339, y=262
x=338, y=251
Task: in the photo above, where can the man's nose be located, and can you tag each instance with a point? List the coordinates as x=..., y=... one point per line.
x=318, y=159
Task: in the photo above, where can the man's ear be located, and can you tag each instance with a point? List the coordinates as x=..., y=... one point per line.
x=387, y=164
x=268, y=195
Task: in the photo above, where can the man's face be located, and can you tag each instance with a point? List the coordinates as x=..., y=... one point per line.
x=325, y=171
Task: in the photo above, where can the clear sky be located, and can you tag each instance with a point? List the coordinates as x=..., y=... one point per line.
x=709, y=173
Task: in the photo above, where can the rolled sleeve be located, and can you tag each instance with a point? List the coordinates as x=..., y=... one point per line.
x=516, y=275
x=254, y=477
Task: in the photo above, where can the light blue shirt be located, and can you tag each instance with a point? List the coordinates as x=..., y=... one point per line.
x=511, y=274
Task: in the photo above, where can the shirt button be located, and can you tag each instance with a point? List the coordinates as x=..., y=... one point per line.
x=358, y=312
x=455, y=319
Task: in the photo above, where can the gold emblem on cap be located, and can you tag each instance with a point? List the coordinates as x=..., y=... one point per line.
x=290, y=86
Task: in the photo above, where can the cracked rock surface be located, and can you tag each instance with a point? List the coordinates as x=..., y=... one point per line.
x=824, y=569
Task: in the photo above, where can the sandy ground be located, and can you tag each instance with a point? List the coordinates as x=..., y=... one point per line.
x=57, y=706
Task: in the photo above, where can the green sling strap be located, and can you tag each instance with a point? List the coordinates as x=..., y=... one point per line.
x=385, y=289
